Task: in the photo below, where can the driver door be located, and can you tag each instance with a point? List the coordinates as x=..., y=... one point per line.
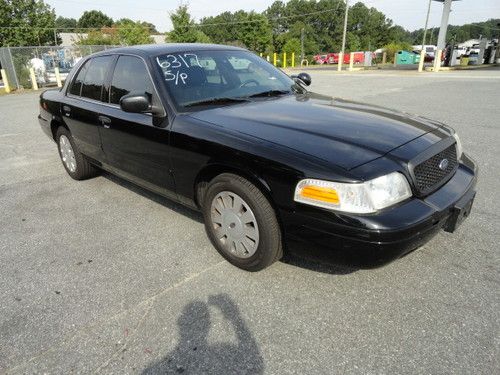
x=136, y=145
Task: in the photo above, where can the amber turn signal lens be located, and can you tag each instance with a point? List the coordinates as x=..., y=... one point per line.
x=323, y=194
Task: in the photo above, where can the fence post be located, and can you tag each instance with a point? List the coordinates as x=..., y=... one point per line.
x=293, y=59
x=351, y=61
x=421, y=62
x=284, y=60
x=34, y=84
x=341, y=60
x=395, y=58
x=13, y=69
x=6, y=85
x=384, y=57
x=58, y=76
x=274, y=59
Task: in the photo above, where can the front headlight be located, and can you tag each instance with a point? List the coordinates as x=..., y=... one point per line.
x=366, y=197
x=459, y=145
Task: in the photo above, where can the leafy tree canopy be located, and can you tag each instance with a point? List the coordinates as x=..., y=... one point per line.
x=26, y=23
x=122, y=32
x=185, y=29
x=131, y=33
x=66, y=25
x=94, y=19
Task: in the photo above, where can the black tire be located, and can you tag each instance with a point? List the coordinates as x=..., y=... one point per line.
x=84, y=169
x=269, y=248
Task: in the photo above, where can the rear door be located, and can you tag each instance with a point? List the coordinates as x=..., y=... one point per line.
x=83, y=104
x=136, y=145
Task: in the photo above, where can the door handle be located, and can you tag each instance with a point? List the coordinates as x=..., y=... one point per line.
x=105, y=121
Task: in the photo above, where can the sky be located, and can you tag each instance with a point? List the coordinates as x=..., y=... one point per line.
x=408, y=13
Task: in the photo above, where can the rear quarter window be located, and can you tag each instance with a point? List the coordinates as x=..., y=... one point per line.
x=76, y=85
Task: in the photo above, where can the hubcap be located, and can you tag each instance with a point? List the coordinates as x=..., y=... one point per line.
x=67, y=154
x=234, y=224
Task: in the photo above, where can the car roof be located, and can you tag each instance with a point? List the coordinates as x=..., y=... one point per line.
x=160, y=49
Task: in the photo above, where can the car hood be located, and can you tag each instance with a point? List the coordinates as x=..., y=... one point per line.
x=344, y=133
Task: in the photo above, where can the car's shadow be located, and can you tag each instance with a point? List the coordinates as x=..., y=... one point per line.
x=297, y=253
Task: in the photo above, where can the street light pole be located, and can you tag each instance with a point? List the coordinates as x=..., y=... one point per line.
x=426, y=23
x=345, y=26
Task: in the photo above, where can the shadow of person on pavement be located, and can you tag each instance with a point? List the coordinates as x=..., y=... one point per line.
x=195, y=355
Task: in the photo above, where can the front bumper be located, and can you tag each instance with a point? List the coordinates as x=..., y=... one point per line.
x=393, y=232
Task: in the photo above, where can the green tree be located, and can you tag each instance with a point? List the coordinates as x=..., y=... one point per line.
x=185, y=30
x=248, y=29
x=66, y=25
x=150, y=27
x=26, y=23
x=94, y=19
x=132, y=33
x=292, y=45
x=105, y=37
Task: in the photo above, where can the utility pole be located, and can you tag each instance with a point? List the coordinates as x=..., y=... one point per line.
x=345, y=26
x=426, y=23
x=301, y=45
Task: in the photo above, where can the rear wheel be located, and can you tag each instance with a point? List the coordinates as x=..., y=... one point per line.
x=73, y=161
x=241, y=223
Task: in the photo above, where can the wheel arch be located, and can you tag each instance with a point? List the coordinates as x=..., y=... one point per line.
x=211, y=171
x=54, y=125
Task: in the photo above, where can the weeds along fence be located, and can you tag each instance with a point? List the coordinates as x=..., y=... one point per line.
x=17, y=62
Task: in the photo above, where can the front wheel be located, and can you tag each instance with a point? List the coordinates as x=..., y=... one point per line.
x=241, y=223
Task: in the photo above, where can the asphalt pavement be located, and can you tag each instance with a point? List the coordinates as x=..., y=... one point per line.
x=101, y=276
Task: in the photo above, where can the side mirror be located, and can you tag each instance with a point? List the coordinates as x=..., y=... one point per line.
x=135, y=103
x=305, y=78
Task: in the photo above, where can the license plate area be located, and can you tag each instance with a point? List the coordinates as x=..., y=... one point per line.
x=459, y=213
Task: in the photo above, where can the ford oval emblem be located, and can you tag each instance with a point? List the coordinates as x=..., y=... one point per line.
x=443, y=164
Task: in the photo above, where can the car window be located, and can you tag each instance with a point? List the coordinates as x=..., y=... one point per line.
x=76, y=86
x=95, y=76
x=201, y=76
x=130, y=75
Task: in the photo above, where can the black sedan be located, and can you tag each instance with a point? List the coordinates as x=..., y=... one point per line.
x=221, y=130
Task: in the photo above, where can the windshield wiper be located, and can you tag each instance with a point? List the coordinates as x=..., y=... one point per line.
x=216, y=101
x=269, y=93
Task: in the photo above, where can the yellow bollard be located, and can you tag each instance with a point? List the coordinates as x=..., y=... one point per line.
x=351, y=61
x=274, y=59
x=58, y=76
x=437, y=60
x=421, y=62
x=384, y=57
x=34, y=84
x=341, y=60
x=6, y=85
x=261, y=54
x=284, y=60
x=293, y=59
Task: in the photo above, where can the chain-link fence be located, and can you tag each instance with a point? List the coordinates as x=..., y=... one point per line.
x=17, y=62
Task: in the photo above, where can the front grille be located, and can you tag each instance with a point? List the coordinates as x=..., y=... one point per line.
x=429, y=176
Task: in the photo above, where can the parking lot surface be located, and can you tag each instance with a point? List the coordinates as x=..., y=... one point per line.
x=101, y=276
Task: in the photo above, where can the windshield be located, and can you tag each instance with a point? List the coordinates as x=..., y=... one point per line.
x=220, y=78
